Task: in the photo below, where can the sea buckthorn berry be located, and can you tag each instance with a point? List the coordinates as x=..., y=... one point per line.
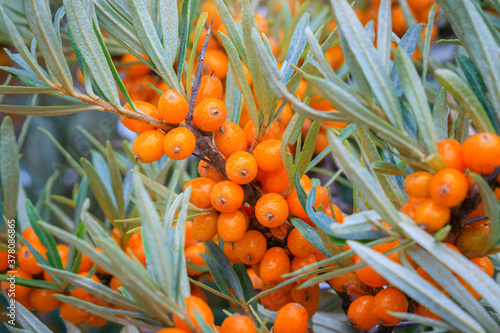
x=209, y=171
x=241, y=167
x=43, y=300
x=480, y=153
x=274, y=264
x=216, y=62
x=193, y=304
x=301, y=262
x=277, y=181
x=299, y=245
x=424, y=275
x=115, y=284
x=339, y=283
x=209, y=115
x=276, y=299
x=204, y=227
x=417, y=184
x=30, y=236
x=4, y=261
x=451, y=152
x=360, y=313
x=230, y=138
x=230, y=252
x=179, y=143
x=336, y=210
x=96, y=321
x=172, y=330
x=448, y=187
x=256, y=281
x=251, y=248
x=268, y=155
x=424, y=312
x=231, y=227
x=369, y=276
x=136, y=70
x=271, y=210
x=472, y=241
x=172, y=107
x=136, y=125
x=200, y=193
x=193, y=257
x=27, y=260
x=82, y=293
x=74, y=315
x=210, y=87
x=389, y=299
x=238, y=324
x=272, y=132
x=21, y=291
x=148, y=146
x=227, y=196
x=431, y=216
x=292, y=318
x=305, y=294
x=485, y=264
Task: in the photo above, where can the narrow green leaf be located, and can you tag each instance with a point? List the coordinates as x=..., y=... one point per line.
x=169, y=22
x=29, y=321
x=225, y=265
x=116, y=179
x=232, y=28
x=311, y=235
x=384, y=30
x=20, y=90
x=308, y=148
x=440, y=114
x=9, y=168
x=47, y=110
x=185, y=24
x=427, y=42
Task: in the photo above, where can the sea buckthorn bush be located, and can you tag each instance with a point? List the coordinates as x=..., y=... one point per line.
x=278, y=166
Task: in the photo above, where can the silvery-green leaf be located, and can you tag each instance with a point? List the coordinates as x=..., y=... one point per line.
x=9, y=168
x=384, y=30
x=440, y=115
x=232, y=28
x=427, y=42
x=295, y=49
x=169, y=21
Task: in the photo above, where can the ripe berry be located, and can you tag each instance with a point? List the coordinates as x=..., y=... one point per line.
x=137, y=70
x=271, y=210
x=301, y=262
x=43, y=300
x=211, y=9
x=209, y=171
x=424, y=312
x=238, y=324
x=431, y=216
x=216, y=62
x=27, y=260
x=171, y=330
x=226, y=196
x=241, y=167
x=268, y=155
x=200, y=192
x=231, y=227
x=277, y=181
x=148, y=146
x=4, y=261
x=251, y=248
x=193, y=304
x=305, y=294
x=193, y=257
x=172, y=107
x=204, y=227
x=277, y=299
x=209, y=115
x=480, y=152
x=230, y=138
x=272, y=132
x=360, y=313
x=274, y=264
x=114, y=284
x=485, y=264
x=210, y=87
x=30, y=236
x=292, y=318
x=389, y=299
x=21, y=291
x=417, y=184
x=74, y=315
x=230, y=252
x=136, y=125
x=299, y=245
x=367, y=274
x=339, y=283
x=96, y=321
x=451, y=151
x=448, y=187
x=179, y=143
x=82, y=293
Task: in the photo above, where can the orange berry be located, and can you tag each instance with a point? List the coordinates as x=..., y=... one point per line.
x=230, y=138
x=256, y=281
x=272, y=132
x=271, y=210
x=292, y=318
x=485, y=264
x=216, y=62
x=431, y=216
x=210, y=87
x=211, y=10
x=480, y=152
x=301, y=262
x=277, y=181
x=299, y=245
x=96, y=321
x=230, y=252
x=74, y=315
x=172, y=330
x=424, y=312
x=334, y=57
x=114, y=284
x=134, y=71
x=339, y=283
x=148, y=146
x=241, y=167
x=43, y=300
x=277, y=299
x=179, y=143
x=209, y=115
x=448, y=187
x=472, y=240
x=193, y=257
x=82, y=293
x=136, y=125
x=209, y=171
x=172, y=107
x=19, y=291
x=268, y=155
x=86, y=264
x=238, y=324
x=193, y=304
x=251, y=248
x=369, y=276
x=204, y=227
x=4, y=261
x=305, y=294
x=360, y=313
x=451, y=151
x=389, y=299
x=27, y=260
x=231, y=227
x=274, y=264
x=226, y=196
x=200, y=192
x=30, y=236
x=417, y=184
